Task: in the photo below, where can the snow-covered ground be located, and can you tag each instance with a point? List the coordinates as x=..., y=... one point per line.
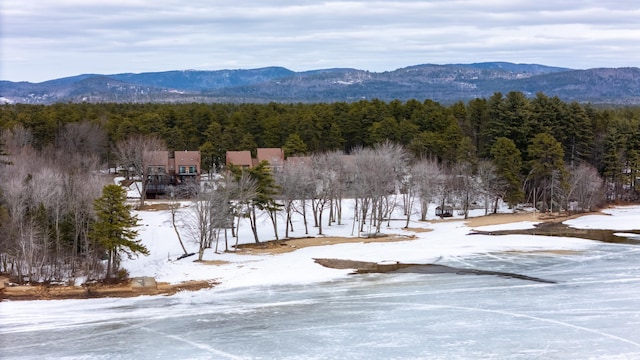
x=288, y=307
x=444, y=239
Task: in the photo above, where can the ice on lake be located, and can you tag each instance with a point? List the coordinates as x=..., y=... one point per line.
x=593, y=312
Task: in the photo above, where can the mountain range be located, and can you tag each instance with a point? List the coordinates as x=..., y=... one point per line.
x=443, y=83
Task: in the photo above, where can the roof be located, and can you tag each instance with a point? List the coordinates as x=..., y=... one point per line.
x=187, y=157
x=157, y=158
x=239, y=158
x=273, y=156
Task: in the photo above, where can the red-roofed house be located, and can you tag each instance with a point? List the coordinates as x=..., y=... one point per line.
x=274, y=156
x=157, y=172
x=239, y=158
x=187, y=167
x=164, y=168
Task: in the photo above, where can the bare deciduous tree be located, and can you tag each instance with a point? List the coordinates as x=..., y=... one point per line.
x=49, y=209
x=242, y=191
x=377, y=173
x=17, y=139
x=292, y=179
x=198, y=221
x=82, y=138
x=324, y=178
x=174, y=205
x=409, y=192
x=428, y=176
x=48, y=192
x=82, y=189
x=585, y=188
x=80, y=145
x=490, y=185
x=463, y=185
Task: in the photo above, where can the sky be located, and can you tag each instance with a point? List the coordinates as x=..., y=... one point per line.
x=42, y=39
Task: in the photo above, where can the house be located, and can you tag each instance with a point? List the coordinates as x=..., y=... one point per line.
x=157, y=172
x=239, y=158
x=164, y=168
x=274, y=156
x=186, y=167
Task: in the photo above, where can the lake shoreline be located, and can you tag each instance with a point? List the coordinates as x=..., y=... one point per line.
x=125, y=289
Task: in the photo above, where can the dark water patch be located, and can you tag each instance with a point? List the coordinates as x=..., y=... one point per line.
x=563, y=230
x=364, y=267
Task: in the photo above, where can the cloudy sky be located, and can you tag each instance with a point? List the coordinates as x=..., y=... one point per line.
x=42, y=39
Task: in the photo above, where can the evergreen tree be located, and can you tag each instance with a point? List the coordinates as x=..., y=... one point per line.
x=575, y=134
x=248, y=142
x=547, y=114
x=548, y=174
x=477, y=119
x=385, y=129
x=508, y=162
x=614, y=163
x=266, y=190
x=207, y=157
x=294, y=146
x=113, y=229
x=510, y=117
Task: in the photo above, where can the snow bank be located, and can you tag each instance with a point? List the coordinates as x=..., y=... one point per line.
x=619, y=218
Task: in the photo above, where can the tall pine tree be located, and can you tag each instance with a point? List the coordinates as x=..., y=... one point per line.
x=113, y=229
x=548, y=174
x=508, y=162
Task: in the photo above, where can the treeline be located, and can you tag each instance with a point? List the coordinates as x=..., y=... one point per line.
x=541, y=150
x=606, y=138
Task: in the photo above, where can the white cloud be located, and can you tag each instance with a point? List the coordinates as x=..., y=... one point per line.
x=49, y=39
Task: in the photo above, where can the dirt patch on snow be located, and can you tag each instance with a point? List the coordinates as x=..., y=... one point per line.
x=284, y=246
x=97, y=290
x=507, y=218
x=288, y=245
x=418, y=230
x=155, y=206
x=212, y=262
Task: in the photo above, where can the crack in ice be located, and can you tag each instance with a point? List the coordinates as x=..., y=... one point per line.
x=196, y=344
x=557, y=322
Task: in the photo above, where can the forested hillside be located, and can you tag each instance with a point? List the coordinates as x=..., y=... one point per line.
x=443, y=83
x=542, y=151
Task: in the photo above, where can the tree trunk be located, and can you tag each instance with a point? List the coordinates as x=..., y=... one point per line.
x=274, y=221
x=109, y=259
x=254, y=225
x=304, y=217
x=320, y=222
x=175, y=228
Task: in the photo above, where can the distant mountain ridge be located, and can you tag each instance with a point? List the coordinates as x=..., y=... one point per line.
x=443, y=83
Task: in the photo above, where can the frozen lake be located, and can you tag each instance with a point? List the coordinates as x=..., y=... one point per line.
x=593, y=312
